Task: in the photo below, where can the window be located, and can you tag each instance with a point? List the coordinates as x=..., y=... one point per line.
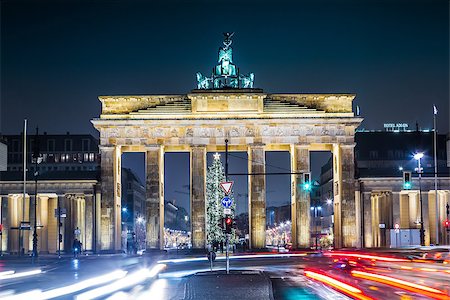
x=15, y=146
x=373, y=154
x=86, y=157
x=390, y=154
x=398, y=154
x=91, y=156
x=63, y=158
x=50, y=145
x=85, y=145
x=67, y=145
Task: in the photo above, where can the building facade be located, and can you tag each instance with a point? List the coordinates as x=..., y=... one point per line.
x=67, y=181
x=381, y=159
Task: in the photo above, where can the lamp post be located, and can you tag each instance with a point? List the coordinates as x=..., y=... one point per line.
x=418, y=157
x=37, y=160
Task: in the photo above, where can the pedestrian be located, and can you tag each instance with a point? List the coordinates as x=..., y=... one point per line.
x=76, y=246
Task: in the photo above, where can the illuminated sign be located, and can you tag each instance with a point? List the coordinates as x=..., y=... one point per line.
x=395, y=126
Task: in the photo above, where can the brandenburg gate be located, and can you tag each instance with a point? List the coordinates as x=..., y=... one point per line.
x=226, y=106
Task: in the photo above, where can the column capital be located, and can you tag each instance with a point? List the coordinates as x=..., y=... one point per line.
x=302, y=146
x=347, y=146
x=105, y=148
x=256, y=145
x=150, y=147
x=198, y=146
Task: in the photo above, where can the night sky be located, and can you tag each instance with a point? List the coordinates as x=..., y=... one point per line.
x=57, y=57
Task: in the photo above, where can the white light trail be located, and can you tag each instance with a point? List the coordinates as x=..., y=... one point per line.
x=21, y=274
x=193, y=259
x=126, y=282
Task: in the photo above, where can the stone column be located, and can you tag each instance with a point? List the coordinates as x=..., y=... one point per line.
x=68, y=221
x=368, y=237
x=414, y=209
x=111, y=202
x=345, y=210
x=198, y=196
x=155, y=197
x=375, y=220
x=42, y=219
x=89, y=223
x=300, y=199
x=52, y=225
x=81, y=218
x=257, y=196
x=432, y=215
x=426, y=219
x=97, y=216
x=396, y=207
x=3, y=220
x=404, y=211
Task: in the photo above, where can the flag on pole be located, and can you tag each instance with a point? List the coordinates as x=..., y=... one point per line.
x=435, y=111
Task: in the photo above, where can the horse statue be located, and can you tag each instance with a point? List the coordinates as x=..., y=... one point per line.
x=202, y=81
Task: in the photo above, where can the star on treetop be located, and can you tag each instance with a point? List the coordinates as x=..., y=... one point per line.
x=216, y=155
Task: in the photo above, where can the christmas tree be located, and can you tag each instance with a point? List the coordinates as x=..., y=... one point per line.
x=214, y=207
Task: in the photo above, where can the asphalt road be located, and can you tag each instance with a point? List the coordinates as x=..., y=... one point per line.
x=304, y=276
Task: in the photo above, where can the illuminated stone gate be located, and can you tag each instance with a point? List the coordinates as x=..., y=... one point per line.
x=252, y=121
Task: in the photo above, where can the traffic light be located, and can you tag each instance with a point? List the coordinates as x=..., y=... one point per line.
x=60, y=238
x=407, y=180
x=447, y=225
x=307, y=182
x=228, y=224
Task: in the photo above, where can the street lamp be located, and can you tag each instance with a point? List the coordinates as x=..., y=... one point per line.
x=37, y=160
x=418, y=157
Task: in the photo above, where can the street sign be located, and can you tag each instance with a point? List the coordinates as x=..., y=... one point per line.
x=382, y=225
x=227, y=201
x=25, y=226
x=397, y=228
x=63, y=212
x=227, y=211
x=226, y=186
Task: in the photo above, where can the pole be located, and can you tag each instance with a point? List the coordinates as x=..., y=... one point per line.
x=227, y=255
x=36, y=173
x=24, y=184
x=226, y=179
x=435, y=176
x=422, y=232
x=59, y=228
x=226, y=159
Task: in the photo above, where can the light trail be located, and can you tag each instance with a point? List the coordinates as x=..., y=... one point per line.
x=70, y=289
x=194, y=259
x=402, y=284
x=366, y=256
x=126, y=282
x=19, y=275
x=338, y=285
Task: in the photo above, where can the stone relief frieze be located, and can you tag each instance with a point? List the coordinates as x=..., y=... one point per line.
x=189, y=132
x=250, y=132
x=234, y=132
x=158, y=132
x=219, y=132
x=174, y=133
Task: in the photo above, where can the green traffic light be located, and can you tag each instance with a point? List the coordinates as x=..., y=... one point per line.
x=307, y=186
x=407, y=185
